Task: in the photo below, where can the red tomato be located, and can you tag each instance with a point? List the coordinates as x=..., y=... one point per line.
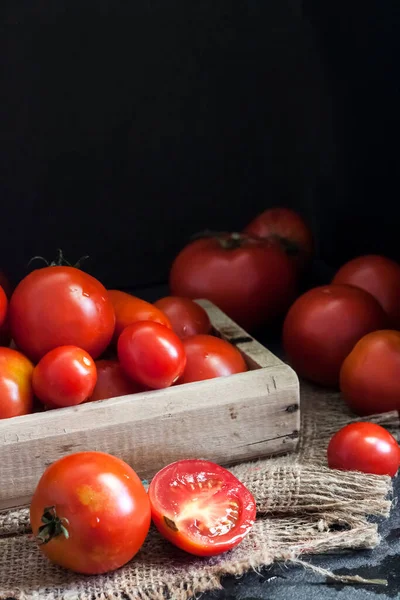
x=208, y=357
x=129, y=309
x=380, y=277
x=187, y=318
x=365, y=447
x=112, y=381
x=322, y=327
x=201, y=507
x=65, y=376
x=60, y=306
x=3, y=306
x=369, y=377
x=16, y=394
x=151, y=354
x=289, y=229
x=6, y=285
x=90, y=513
x=253, y=281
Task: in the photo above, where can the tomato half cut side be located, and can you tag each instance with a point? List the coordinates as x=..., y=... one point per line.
x=201, y=507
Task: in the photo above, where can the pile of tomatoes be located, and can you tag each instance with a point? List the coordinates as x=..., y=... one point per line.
x=344, y=335
x=74, y=342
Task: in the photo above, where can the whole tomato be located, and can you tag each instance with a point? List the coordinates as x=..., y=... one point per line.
x=289, y=229
x=90, y=513
x=380, y=277
x=16, y=394
x=187, y=318
x=65, y=376
x=3, y=306
x=369, y=377
x=208, y=357
x=322, y=327
x=151, y=354
x=130, y=309
x=112, y=381
x=60, y=306
x=201, y=507
x=6, y=285
x=251, y=280
x=365, y=447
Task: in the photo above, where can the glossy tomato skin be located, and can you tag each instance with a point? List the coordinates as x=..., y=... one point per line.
x=322, y=327
x=369, y=377
x=288, y=228
x=151, y=354
x=208, y=357
x=130, y=309
x=60, y=306
x=187, y=318
x=16, y=394
x=365, y=447
x=252, y=281
x=65, y=376
x=201, y=507
x=379, y=276
x=106, y=508
x=112, y=381
x=3, y=306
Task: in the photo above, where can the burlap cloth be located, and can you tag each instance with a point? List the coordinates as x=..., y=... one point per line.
x=303, y=507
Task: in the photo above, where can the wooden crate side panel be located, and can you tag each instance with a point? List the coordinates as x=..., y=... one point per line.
x=231, y=419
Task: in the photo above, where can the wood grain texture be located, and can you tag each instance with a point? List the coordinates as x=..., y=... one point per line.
x=226, y=420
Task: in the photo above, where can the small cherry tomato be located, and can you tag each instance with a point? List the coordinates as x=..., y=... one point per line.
x=187, y=318
x=16, y=394
x=201, y=507
x=3, y=306
x=90, y=513
x=151, y=354
x=130, y=309
x=322, y=327
x=65, y=376
x=380, y=277
x=369, y=377
x=289, y=229
x=112, y=381
x=365, y=447
x=208, y=357
x=251, y=280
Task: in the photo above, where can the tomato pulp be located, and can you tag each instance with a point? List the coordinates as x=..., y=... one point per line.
x=90, y=513
x=201, y=507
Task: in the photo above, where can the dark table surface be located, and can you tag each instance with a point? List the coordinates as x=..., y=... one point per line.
x=280, y=582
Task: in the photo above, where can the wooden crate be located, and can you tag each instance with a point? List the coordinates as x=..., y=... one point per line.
x=226, y=420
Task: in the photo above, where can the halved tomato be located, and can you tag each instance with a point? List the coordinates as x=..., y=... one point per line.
x=201, y=507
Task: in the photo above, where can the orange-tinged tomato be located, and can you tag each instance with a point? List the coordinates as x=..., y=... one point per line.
x=16, y=394
x=90, y=513
x=130, y=309
x=369, y=377
x=187, y=318
x=201, y=507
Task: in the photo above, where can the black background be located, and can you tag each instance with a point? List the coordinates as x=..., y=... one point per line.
x=128, y=126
